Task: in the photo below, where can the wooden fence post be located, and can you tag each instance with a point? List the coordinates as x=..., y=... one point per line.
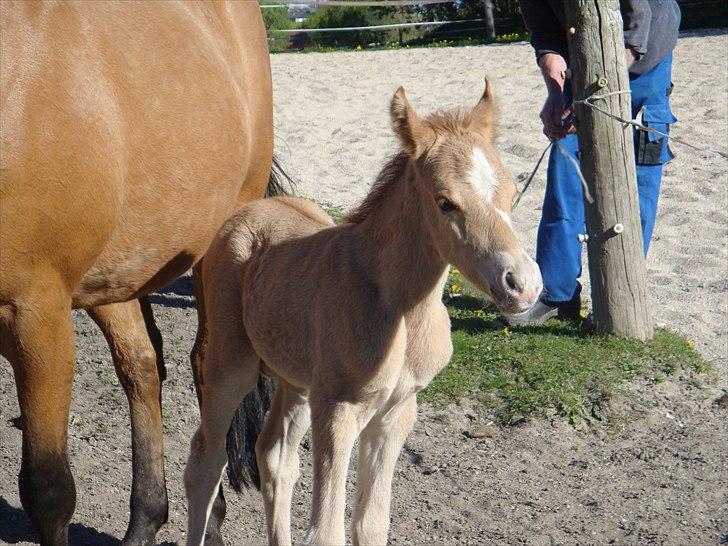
x=616, y=260
x=489, y=21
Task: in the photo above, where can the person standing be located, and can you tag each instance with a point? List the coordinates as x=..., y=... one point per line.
x=650, y=35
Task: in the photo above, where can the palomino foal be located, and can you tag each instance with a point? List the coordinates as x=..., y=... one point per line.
x=349, y=320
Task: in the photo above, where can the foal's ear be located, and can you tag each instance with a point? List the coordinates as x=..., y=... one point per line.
x=412, y=130
x=483, y=118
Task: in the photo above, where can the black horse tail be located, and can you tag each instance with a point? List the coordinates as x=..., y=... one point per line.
x=278, y=180
x=244, y=430
x=248, y=420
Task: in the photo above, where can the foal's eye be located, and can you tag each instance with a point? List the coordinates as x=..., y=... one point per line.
x=446, y=205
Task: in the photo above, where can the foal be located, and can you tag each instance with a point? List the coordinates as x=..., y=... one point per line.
x=349, y=320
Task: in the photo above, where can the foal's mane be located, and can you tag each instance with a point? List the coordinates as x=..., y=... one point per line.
x=388, y=176
x=454, y=121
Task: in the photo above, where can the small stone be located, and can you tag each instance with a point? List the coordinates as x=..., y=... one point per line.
x=481, y=432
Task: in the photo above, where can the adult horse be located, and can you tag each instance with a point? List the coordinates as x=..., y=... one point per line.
x=129, y=133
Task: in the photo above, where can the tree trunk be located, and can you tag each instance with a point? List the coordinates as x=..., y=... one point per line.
x=489, y=21
x=616, y=260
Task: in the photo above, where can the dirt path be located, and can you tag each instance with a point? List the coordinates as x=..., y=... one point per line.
x=658, y=474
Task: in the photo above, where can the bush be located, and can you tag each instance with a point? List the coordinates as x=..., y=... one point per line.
x=276, y=19
x=342, y=17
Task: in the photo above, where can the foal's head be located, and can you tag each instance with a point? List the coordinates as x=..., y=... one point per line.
x=467, y=197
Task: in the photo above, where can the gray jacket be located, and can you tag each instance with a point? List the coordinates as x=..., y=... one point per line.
x=650, y=28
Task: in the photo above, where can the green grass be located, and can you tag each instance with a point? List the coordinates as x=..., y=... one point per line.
x=335, y=211
x=560, y=365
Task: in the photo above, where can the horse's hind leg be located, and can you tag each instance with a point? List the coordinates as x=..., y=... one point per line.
x=37, y=338
x=277, y=452
x=136, y=348
x=379, y=446
x=229, y=371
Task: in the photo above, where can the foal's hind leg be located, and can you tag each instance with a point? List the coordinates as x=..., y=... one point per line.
x=37, y=337
x=229, y=371
x=213, y=535
x=277, y=453
x=380, y=444
x=136, y=348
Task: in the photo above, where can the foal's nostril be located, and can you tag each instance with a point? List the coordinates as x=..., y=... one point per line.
x=511, y=282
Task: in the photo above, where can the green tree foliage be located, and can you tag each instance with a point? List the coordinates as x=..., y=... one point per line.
x=276, y=19
x=352, y=16
x=506, y=13
x=337, y=17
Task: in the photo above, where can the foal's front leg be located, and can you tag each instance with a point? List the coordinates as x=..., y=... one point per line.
x=335, y=426
x=379, y=447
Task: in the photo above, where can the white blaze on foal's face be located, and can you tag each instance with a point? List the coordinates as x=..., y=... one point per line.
x=483, y=179
x=481, y=175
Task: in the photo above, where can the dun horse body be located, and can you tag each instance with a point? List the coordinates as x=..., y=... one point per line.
x=349, y=320
x=129, y=132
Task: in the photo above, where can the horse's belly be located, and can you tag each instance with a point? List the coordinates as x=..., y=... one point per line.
x=131, y=276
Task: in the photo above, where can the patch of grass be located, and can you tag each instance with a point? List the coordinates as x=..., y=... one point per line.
x=527, y=371
x=335, y=211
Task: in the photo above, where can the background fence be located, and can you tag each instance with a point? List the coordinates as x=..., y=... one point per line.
x=377, y=23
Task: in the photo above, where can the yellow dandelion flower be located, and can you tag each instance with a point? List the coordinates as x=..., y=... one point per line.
x=505, y=331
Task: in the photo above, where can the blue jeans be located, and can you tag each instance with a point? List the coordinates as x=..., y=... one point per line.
x=558, y=250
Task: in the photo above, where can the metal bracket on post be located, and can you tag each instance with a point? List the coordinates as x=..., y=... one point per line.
x=616, y=229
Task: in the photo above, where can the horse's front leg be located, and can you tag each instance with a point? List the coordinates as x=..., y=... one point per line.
x=335, y=427
x=36, y=335
x=380, y=444
x=136, y=348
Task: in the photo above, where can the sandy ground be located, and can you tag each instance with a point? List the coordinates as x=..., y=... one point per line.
x=657, y=475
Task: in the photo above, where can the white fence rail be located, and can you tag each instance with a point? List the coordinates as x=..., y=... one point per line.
x=375, y=27
x=355, y=3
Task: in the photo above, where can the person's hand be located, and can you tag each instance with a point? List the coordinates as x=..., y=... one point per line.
x=555, y=116
x=629, y=56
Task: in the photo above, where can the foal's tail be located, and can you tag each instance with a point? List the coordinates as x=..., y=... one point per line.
x=248, y=420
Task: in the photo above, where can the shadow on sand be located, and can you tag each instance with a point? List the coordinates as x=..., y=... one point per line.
x=180, y=294
x=15, y=527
